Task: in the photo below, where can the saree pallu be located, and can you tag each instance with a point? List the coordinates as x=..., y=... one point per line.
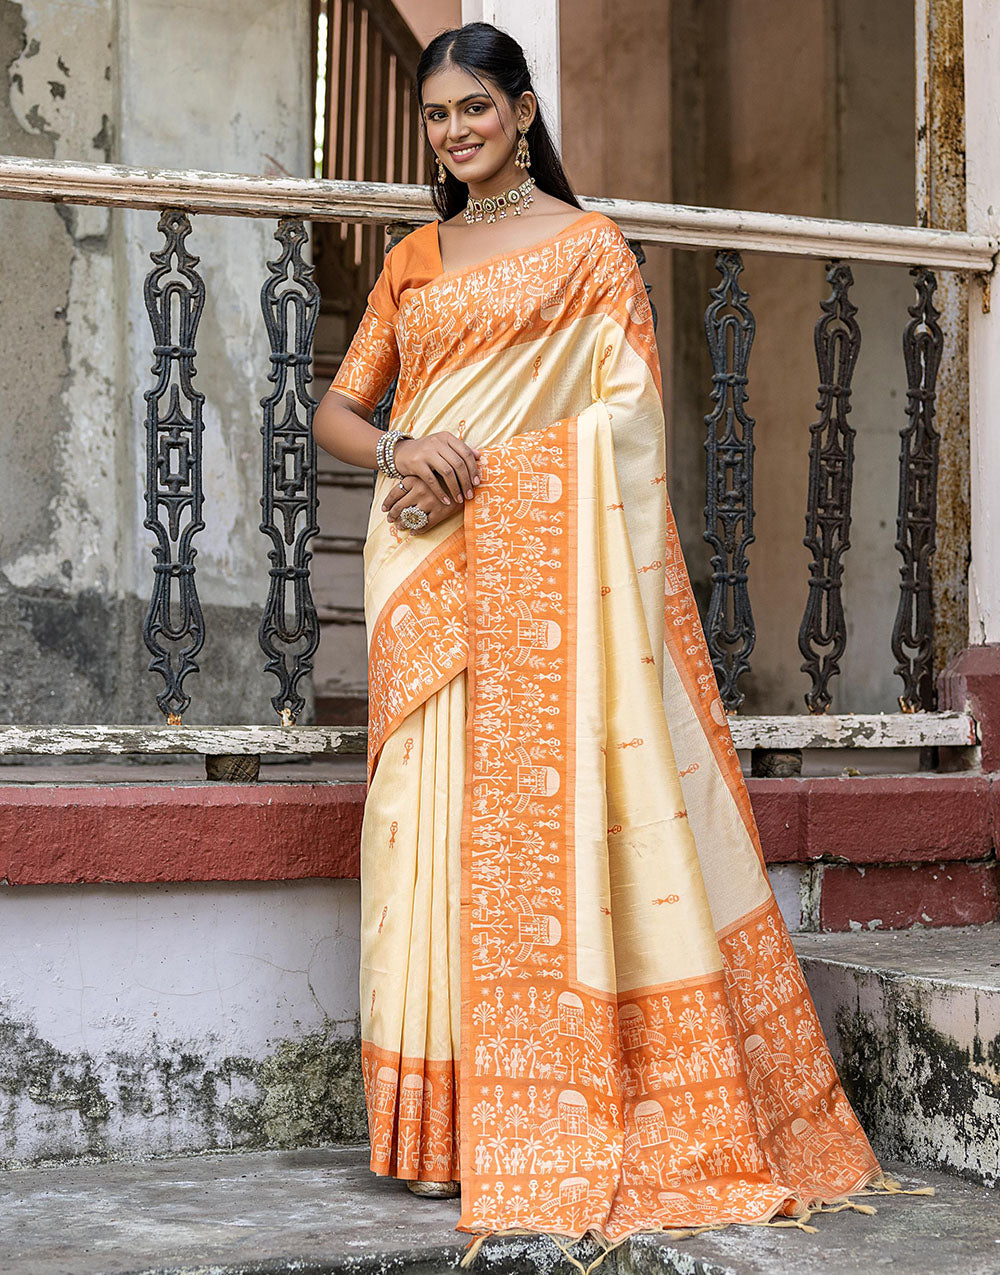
x=578, y=993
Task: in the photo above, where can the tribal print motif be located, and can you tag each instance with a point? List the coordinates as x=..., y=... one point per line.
x=707, y=1100
x=517, y=299
x=412, y=1115
x=374, y=362
x=570, y=898
x=419, y=641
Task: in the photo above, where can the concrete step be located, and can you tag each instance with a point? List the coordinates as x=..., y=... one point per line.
x=913, y=1020
x=322, y=1211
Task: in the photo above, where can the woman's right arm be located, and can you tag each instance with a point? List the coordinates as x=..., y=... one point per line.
x=448, y=466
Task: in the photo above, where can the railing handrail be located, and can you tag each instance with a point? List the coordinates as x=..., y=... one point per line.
x=675, y=225
x=945, y=728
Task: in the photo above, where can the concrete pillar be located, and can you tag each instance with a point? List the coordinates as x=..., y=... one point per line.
x=982, y=116
x=941, y=196
x=225, y=86
x=535, y=25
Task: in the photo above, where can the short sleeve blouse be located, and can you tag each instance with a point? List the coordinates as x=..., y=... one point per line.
x=372, y=359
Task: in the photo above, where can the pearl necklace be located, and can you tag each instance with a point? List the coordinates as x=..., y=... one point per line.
x=494, y=206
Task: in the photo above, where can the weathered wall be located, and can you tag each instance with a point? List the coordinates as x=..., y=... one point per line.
x=92, y=79
x=428, y=18
x=914, y=1027
x=141, y=1020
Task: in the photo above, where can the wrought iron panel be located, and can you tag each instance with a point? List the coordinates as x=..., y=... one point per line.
x=174, y=629
x=729, y=328
x=913, y=631
x=289, y=626
x=823, y=631
x=639, y=252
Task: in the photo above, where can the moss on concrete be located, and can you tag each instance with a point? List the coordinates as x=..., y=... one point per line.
x=920, y=1095
x=312, y=1092
x=58, y=1106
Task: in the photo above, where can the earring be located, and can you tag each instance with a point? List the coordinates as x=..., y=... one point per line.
x=522, y=157
x=441, y=170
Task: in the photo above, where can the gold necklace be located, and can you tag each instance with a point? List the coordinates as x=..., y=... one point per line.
x=494, y=206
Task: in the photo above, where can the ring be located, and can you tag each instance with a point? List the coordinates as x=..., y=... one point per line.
x=414, y=518
x=401, y=485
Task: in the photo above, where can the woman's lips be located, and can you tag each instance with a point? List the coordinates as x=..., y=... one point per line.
x=465, y=152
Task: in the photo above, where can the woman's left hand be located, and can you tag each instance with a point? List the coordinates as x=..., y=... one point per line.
x=411, y=490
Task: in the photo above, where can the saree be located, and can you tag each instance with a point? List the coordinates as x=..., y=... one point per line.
x=578, y=995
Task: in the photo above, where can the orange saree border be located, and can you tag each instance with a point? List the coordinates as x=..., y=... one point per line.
x=413, y=1136
x=419, y=641
x=592, y=271
x=682, y=632
x=708, y=1101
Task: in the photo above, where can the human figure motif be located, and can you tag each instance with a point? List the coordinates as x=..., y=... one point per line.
x=535, y=648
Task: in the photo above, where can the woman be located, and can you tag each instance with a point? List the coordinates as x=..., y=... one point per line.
x=578, y=996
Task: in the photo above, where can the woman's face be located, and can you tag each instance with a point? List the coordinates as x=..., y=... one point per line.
x=463, y=126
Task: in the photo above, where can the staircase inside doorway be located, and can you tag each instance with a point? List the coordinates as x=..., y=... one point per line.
x=367, y=130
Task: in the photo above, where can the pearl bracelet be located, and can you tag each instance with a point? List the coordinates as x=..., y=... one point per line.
x=385, y=450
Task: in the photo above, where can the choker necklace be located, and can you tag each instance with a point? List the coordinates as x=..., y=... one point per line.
x=494, y=206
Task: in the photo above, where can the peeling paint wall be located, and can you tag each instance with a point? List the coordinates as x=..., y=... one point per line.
x=224, y=87
x=141, y=1020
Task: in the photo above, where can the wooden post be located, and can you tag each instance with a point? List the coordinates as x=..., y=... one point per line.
x=982, y=127
x=535, y=26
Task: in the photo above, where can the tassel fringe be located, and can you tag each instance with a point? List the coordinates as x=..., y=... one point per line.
x=884, y=1184
x=586, y=1270
x=473, y=1247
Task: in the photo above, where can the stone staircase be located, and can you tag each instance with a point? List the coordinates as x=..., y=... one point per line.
x=913, y=1018
x=321, y=1212
x=345, y=493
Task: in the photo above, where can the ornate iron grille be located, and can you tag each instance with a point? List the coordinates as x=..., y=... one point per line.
x=913, y=631
x=289, y=627
x=729, y=328
x=174, y=628
x=823, y=632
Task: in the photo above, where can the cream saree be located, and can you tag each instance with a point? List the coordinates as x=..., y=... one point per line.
x=578, y=994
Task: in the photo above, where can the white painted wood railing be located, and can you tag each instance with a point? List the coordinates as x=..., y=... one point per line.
x=675, y=225
x=678, y=226
x=843, y=730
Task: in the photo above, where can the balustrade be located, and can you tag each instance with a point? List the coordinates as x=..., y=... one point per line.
x=174, y=630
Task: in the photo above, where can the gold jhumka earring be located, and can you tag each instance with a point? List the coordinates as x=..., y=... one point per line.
x=522, y=157
x=441, y=170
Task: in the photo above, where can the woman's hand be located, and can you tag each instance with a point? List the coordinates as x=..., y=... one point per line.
x=414, y=491
x=447, y=467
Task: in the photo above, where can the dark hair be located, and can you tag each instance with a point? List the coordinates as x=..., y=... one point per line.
x=483, y=49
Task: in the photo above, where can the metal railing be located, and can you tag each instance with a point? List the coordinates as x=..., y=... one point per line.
x=175, y=292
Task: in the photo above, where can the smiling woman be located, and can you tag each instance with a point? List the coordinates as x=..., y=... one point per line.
x=579, y=999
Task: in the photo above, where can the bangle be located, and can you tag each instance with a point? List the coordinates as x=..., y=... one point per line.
x=385, y=450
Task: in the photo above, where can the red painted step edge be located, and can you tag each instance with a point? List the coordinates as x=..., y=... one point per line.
x=899, y=896
x=259, y=832
x=270, y=832
x=876, y=819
